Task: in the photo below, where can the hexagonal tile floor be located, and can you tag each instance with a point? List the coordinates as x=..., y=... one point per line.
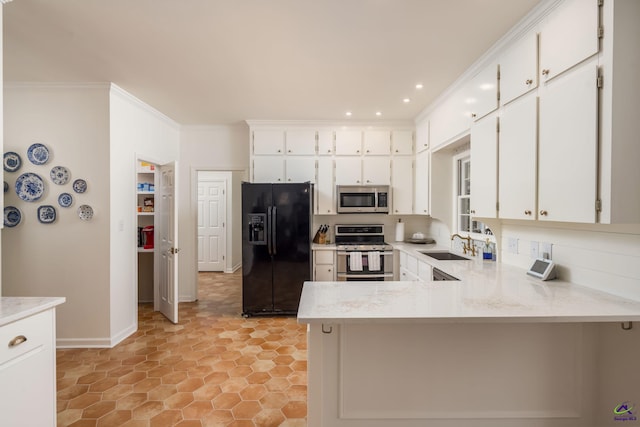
x=214, y=368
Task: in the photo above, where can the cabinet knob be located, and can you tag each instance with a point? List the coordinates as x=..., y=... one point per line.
x=329, y=150
x=368, y=151
x=543, y=213
x=279, y=179
x=358, y=181
x=473, y=115
x=288, y=151
x=17, y=341
x=279, y=151
x=527, y=212
x=357, y=151
x=545, y=72
x=472, y=211
x=397, y=150
x=528, y=82
x=289, y=179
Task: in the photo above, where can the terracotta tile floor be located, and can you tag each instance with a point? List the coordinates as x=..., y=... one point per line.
x=214, y=368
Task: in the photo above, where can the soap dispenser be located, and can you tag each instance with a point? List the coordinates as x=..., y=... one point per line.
x=486, y=251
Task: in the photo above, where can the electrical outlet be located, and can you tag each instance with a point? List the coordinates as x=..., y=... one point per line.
x=512, y=245
x=534, y=250
x=545, y=250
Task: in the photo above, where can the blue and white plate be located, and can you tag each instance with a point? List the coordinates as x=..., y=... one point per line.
x=46, y=214
x=12, y=216
x=29, y=187
x=85, y=212
x=59, y=175
x=38, y=154
x=79, y=185
x=12, y=161
x=65, y=200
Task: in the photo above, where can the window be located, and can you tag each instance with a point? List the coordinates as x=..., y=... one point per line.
x=464, y=223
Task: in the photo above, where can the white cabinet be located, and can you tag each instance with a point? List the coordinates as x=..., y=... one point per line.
x=518, y=159
x=324, y=265
x=483, y=92
x=377, y=142
x=300, y=169
x=412, y=268
x=301, y=142
x=28, y=371
x=421, y=194
x=268, y=141
x=325, y=188
x=348, y=171
x=484, y=167
x=568, y=36
x=450, y=119
x=568, y=147
x=376, y=170
x=268, y=169
x=519, y=68
x=422, y=136
x=325, y=143
x=402, y=142
x=349, y=142
x=424, y=271
x=402, y=185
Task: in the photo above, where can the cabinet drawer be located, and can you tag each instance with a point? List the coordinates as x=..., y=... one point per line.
x=324, y=257
x=37, y=330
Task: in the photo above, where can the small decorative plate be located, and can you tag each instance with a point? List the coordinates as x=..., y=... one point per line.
x=85, y=212
x=65, y=200
x=79, y=185
x=59, y=175
x=12, y=161
x=38, y=154
x=12, y=216
x=46, y=214
x=29, y=187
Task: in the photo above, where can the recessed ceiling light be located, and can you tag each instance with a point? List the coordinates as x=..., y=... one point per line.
x=419, y=86
x=378, y=113
x=348, y=114
x=406, y=100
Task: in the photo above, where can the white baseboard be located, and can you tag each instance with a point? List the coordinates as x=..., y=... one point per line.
x=96, y=342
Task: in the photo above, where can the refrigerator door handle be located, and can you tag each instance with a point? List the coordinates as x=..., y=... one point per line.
x=269, y=243
x=273, y=229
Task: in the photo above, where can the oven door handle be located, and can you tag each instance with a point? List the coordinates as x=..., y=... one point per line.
x=385, y=253
x=364, y=276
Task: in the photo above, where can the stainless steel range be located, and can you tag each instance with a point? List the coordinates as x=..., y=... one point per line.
x=362, y=253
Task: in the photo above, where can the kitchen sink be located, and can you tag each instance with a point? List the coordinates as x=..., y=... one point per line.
x=445, y=256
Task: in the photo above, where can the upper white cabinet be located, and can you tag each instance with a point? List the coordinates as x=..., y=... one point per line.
x=518, y=159
x=568, y=36
x=349, y=142
x=300, y=169
x=268, y=141
x=568, y=147
x=484, y=167
x=421, y=185
x=519, y=68
x=402, y=185
x=376, y=170
x=483, y=92
x=348, y=170
x=325, y=143
x=377, y=142
x=450, y=119
x=268, y=169
x=301, y=142
x=422, y=136
x=402, y=142
x=325, y=187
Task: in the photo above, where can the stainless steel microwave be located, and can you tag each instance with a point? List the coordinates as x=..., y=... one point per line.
x=363, y=198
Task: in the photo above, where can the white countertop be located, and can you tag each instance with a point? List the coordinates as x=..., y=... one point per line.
x=487, y=292
x=16, y=308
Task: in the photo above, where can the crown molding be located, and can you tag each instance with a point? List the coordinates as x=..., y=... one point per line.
x=343, y=124
x=117, y=90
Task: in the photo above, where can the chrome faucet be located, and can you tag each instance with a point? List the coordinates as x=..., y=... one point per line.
x=469, y=246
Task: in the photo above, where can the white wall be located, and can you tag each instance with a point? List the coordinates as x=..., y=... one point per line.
x=137, y=131
x=213, y=148
x=69, y=258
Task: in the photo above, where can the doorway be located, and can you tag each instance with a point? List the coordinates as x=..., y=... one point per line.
x=212, y=220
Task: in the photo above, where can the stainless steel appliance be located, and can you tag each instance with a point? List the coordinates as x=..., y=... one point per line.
x=362, y=253
x=276, y=246
x=363, y=199
x=439, y=275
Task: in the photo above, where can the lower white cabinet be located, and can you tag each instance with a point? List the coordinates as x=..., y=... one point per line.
x=324, y=265
x=28, y=371
x=411, y=268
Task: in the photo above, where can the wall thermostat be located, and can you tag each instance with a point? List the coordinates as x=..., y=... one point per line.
x=543, y=269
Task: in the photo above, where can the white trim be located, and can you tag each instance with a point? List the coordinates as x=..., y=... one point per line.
x=97, y=342
x=333, y=124
x=117, y=90
x=56, y=85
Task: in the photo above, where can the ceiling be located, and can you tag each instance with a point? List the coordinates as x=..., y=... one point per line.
x=208, y=62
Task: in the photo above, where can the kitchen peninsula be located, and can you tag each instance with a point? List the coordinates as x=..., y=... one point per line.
x=496, y=348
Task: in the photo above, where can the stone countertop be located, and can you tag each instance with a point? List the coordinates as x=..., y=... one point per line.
x=17, y=308
x=487, y=292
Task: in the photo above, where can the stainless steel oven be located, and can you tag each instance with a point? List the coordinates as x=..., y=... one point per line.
x=362, y=254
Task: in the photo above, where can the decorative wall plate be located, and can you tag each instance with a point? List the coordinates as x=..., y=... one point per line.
x=85, y=212
x=46, y=214
x=79, y=185
x=12, y=161
x=38, y=154
x=29, y=187
x=12, y=216
x=59, y=175
x=65, y=200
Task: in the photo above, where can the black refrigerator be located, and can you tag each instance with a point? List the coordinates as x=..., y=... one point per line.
x=276, y=246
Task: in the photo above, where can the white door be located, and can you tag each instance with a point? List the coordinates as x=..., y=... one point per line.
x=168, y=238
x=211, y=223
